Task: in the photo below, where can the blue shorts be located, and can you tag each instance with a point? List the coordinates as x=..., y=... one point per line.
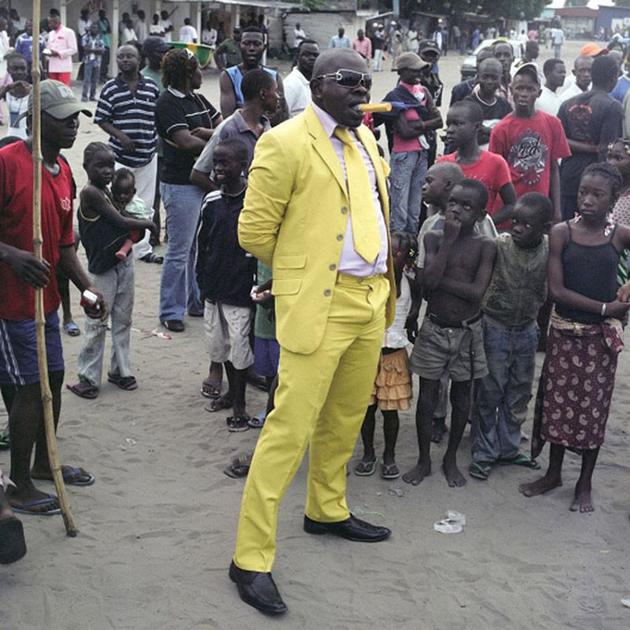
x=266, y=357
x=18, y=350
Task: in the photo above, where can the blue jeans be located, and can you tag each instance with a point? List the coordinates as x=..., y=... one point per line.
x=502, y=397
x=178, y=288
x=91, y=72
x=407, y=177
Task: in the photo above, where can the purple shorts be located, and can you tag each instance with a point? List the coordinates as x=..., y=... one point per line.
x=18, y=350
x=266, y=357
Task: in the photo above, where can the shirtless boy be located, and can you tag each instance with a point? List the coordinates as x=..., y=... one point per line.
x=457, y=271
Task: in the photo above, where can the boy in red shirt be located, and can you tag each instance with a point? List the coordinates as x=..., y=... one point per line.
x=463, y=121
x=20, y=271
x=531, y=141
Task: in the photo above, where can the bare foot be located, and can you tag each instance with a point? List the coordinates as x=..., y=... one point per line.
x=438, y=430
x=417, y=474
x=452, y=473
x=540, y=486
x=582, y=502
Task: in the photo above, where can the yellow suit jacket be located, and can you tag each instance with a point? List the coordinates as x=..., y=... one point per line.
x=294, y=220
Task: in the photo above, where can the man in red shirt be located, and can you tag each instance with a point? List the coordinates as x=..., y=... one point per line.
x=531, y=141
x=363, y=45
x=20, y=272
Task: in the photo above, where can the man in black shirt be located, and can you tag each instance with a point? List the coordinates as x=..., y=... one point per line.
x=591, y=121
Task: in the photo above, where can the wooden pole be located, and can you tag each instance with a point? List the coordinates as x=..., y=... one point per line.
x=42, y=359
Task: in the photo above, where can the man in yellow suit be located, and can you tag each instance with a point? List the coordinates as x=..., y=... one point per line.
x=317, y=211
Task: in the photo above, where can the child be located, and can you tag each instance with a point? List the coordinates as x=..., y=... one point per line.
x=619, y=156
x=438, y=185
x=131, y=205
x=531, y=142
x=93, y=49
x=485, y=94
x=463, y=122
x=16, y=95
x=517, y=290
x=456, y=274
x=578, y=376
x=103, y=230
x=392, y=388
x=225, y=274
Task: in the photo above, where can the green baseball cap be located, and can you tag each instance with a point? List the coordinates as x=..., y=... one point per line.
x=57, y=100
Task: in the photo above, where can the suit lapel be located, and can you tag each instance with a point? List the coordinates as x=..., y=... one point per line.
x=324, y=147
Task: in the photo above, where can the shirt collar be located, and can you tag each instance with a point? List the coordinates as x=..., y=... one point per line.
x=328, y=122
x=242, y=126
x=300, y=77
x=175, y=92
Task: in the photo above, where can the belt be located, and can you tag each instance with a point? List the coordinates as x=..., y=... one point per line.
x=344, y=278
x=463, y=324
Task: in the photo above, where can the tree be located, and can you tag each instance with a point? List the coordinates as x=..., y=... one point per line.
x=513, y=9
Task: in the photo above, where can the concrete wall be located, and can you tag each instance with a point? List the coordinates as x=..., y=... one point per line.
x=321, y=26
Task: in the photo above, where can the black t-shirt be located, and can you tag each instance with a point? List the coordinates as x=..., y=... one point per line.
x=176, y=111
x=593, y=117
x=497, y=111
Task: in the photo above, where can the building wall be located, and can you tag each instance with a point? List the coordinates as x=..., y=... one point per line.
x=321, y=26
x=609, y=17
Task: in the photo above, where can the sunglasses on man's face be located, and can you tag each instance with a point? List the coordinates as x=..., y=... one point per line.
x=349, y=78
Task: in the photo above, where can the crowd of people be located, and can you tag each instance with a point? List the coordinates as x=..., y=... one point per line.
x=309, y=257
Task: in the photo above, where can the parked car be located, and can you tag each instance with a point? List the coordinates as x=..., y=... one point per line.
x=468, y=69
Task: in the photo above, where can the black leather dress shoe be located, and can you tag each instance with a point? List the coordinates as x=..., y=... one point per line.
x=352, y=528
x=173, y=325
x=258, y=590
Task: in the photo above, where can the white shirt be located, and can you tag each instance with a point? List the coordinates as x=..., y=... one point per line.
x=16, y=107
x=548, y=102
x=209, y=37
x=395, y=335
x=166, y=24
x=298, y=36
x=128, y=35
x=64, y=41
x=570, y=92
x=141, y=30
x=297, y=92
x=350, y=262
x=83, y=26
x=188, y=34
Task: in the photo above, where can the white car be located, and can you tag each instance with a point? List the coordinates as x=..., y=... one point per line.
x=469, y=67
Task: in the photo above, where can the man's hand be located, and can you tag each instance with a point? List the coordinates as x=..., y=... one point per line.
x=260, y=295
x=623, y=294
x=128, y=145
x=411, y=326
x=98, y=310
x=152, y=227
x=28, y=269
x=201, y=132
x=452, y=227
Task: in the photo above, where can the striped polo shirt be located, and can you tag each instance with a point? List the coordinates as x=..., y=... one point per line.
x=133, y=114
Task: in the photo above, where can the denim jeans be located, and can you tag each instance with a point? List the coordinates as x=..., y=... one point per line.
x=91, y=72
x=178, y=288
x=502, y=397
x=407, y=177
x=117, y=287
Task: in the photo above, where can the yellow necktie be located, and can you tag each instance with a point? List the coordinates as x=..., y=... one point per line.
x=365, y=232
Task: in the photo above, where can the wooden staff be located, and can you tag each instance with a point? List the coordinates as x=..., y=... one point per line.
x=42, y=360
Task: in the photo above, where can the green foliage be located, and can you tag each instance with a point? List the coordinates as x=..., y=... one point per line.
x=314, y=4
x=494, y=8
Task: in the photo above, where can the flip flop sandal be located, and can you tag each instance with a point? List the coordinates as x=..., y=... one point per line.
x=389, y=471
x=480, y=470
x=153, y=258
x=72, y=329
x=239, y=467
x=218, y=404
x=257, y=422
x=209, y=389
x=28, y=507
x=12, y=542
x=84, y=390
x=365, y=469
x=521, y=460
x=128, y=383
x=238, y=424
x=72, y=476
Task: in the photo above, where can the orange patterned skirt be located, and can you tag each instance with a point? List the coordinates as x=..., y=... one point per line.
x=392, y=388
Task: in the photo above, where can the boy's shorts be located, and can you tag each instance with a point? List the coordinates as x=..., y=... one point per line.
x=440, y=350
x=227, y=331
x=266, y=357
x=18, y=350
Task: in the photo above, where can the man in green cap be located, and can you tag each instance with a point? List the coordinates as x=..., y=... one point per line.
x=20, y=273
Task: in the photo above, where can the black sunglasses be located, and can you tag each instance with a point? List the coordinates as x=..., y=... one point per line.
x=349, y=78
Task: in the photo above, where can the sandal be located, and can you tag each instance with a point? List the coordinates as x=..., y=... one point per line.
x=128, y=383
x=71, y=329
x=239, y=467
x=72, y=476
x=219, y=404
x=390, y=471
x=257, y=422
x=46, y=506
x=84, y=390
x=480, y=470
x=152, y=258
x=521, y=460
x=365, y=469
x=237, y=424
x=210, y=389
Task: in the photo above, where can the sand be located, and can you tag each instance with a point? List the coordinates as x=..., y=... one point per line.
x=157, y=529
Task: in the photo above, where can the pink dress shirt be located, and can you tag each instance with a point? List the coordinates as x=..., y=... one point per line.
x=64, y=41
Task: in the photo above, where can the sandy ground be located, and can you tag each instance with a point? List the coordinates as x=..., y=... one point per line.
x=157, y=529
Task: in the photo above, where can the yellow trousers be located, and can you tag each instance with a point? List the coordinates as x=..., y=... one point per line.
x=320, y=402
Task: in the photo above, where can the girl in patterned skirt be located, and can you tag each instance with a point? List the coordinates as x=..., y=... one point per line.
x=578, y=374
x=392, y=387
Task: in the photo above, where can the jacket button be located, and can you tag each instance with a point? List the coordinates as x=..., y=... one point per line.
x=340, y=237
x=327, y=293
x=332, y=267
x=344, y=210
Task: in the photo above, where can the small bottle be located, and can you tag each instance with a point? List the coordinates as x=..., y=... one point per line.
x=89, y=298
